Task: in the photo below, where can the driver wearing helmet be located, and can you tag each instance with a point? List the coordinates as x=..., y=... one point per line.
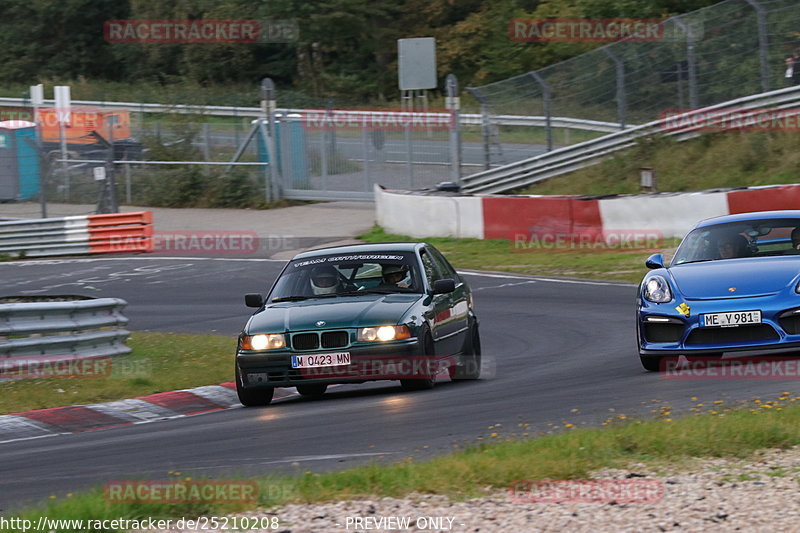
x=395, y=277
x=324, y=280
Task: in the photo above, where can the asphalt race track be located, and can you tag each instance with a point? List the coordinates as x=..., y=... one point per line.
x=551, y=346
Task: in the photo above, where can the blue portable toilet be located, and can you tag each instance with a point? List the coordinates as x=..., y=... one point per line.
x=290, y=141
x=19, y=160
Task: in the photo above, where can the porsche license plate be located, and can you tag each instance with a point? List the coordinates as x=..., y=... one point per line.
x=737, y=318
x=321, y=359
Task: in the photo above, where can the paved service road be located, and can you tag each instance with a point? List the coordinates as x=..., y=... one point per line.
x=551, y=346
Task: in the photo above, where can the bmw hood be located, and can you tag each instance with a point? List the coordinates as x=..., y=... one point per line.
x=339, y=312
x=735, y=278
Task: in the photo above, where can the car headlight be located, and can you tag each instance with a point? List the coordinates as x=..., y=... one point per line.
x=656, y=289
x=383, y=333
x=268, y=341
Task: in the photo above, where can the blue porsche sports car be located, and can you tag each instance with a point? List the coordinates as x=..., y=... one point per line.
x=733, y=285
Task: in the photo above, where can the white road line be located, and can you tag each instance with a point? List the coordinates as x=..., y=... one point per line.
x=581, y=282
x=33, y=437
x=551, y=280
x=324, y=457
x=504, y=285
x=490, y=275
x=150, y=258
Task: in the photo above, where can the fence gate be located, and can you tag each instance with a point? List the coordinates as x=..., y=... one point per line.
x=340, y=155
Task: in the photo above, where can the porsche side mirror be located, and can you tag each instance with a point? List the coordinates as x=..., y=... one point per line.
x=655, y=261
x=253, y=300
x=444, y=286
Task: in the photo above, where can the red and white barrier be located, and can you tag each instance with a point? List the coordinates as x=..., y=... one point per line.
x=78, y=235
x=513, y=217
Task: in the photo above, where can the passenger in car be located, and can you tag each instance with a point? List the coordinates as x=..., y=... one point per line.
x=733, y=246
x=796, y=239
x=395, y=276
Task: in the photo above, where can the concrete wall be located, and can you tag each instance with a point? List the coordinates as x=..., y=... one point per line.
x=509, y=217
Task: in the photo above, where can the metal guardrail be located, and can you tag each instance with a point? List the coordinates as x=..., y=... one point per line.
x=78, y=235
x=577, y=156
x=256, y=112
x=61, y=330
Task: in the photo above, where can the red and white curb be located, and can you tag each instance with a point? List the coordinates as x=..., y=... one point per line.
x=160, y=406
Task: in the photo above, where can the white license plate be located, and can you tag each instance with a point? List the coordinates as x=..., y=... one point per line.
x=321, y=359
x=736, y=318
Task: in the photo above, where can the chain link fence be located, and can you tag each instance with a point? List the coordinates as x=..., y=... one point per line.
x=719, y=53
x=179, y=159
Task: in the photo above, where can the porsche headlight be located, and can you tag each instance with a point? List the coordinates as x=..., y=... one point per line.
x=383, y=333
x=656, y=289
x=268, y=341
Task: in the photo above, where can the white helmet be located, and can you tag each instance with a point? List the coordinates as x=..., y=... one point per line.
x=324, y=280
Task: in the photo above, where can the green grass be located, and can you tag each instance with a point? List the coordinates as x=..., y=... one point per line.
x=159, y=362
x=729, y=159
x=492, y=466
x=506, y=256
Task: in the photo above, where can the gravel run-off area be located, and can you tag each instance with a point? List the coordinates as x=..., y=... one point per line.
x=757, y=494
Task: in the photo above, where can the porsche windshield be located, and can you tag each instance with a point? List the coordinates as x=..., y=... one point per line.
x=348, y=275
x=756, y=238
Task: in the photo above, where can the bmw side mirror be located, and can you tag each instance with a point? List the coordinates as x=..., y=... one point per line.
x=655, y=261
x=253, y=300
x=444, y=286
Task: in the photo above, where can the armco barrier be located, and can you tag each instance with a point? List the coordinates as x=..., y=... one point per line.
x=509, y=217
x=56, y=331
x=78, y=235
x=574, y=157
x=257, y=112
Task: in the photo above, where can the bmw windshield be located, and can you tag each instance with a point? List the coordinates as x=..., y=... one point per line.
x=348, y=275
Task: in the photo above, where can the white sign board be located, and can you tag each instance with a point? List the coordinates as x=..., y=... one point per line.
x=99, y=173
x=416, y=63
x=63, y=103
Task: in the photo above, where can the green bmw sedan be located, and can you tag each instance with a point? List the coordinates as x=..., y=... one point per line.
x=351, y=314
